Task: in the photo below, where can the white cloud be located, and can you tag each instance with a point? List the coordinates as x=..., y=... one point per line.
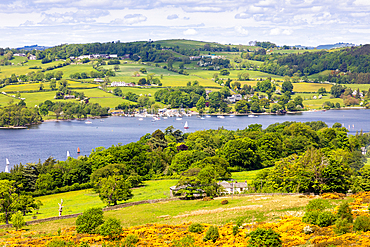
x=241, y=30
x=190, y=31
x=362, y=31
x=134, y=19
x=266, y=3
x=287, y=32
x=203, y=9
x=361, y=2
x=172, y=17
x=311, y=21
x=359, y=14
x=28, y=23
x=242, y=16
x=275, y=31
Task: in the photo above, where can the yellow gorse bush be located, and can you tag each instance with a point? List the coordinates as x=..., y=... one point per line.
x=290, y=229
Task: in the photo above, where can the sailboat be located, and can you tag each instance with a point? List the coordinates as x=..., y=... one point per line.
x=7, y=166
x=186, y=126
x=68, y=154
x=78, y=150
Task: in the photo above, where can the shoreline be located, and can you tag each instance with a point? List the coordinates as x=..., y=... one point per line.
x=197, y=113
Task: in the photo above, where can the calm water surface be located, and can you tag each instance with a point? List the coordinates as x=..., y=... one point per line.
x=56, y=138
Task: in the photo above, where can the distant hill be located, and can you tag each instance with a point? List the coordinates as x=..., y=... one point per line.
x=337, y=45
x=33, y=47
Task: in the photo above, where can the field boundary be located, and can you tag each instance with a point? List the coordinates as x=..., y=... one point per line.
x=125, y=205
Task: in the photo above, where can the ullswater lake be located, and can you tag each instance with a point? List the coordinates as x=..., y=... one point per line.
x=55, y=138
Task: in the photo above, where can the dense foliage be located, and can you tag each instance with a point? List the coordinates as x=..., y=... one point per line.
x=304, y=157
x=19, y=115
x=353, y=62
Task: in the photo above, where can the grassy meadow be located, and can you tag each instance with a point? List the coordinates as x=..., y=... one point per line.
x=311, y=103
x=78, y=201
x=35, y=86
x=250, y=208
x=310, y=87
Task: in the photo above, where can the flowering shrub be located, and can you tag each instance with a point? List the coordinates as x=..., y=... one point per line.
x=362, y=223
x=333, y=195
x=262, y=237
x=292, y=231
x=212, y=234
x=89, y=220
x=196, y=227
x=223, y=202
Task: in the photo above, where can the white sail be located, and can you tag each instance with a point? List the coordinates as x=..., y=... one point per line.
x=68, y=154
x=186, y=126
x=7, y=166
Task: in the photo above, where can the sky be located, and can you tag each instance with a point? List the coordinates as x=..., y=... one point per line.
x=284, y=22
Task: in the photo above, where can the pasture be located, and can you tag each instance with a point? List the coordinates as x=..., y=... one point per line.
x=362, y=87
x=35, y=86
x=4, y=100
x=310, y=87
x=78, y=201
x=310, y=103
x=250, y=208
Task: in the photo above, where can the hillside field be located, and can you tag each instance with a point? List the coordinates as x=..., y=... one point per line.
x=78, y=201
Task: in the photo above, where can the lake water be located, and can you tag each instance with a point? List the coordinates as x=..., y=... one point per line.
x=56, y=138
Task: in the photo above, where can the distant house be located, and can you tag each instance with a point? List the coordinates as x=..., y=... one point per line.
x=235, y=97
x=195, y=58
x=32, y=57
x=363, y=150
x=69, y=97
x=19, y=55
x=119, y=84
x=228, y=188
x=231, y=188
x=175, y=191
x=98, y=80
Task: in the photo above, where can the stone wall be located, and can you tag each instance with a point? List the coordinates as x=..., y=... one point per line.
x=124, y=205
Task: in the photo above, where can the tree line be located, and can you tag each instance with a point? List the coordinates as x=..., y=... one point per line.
x=19, y=115
x=351, y=62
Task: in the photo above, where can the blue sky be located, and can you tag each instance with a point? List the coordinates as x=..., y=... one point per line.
x=291, y=22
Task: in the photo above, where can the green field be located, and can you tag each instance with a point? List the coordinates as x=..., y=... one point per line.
x=36, y=86
x=362, y=87
x=311, y=103
x=322, y=73
x=310, y=87
x=4, y=100
x=248, y=176
x=78, y=201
